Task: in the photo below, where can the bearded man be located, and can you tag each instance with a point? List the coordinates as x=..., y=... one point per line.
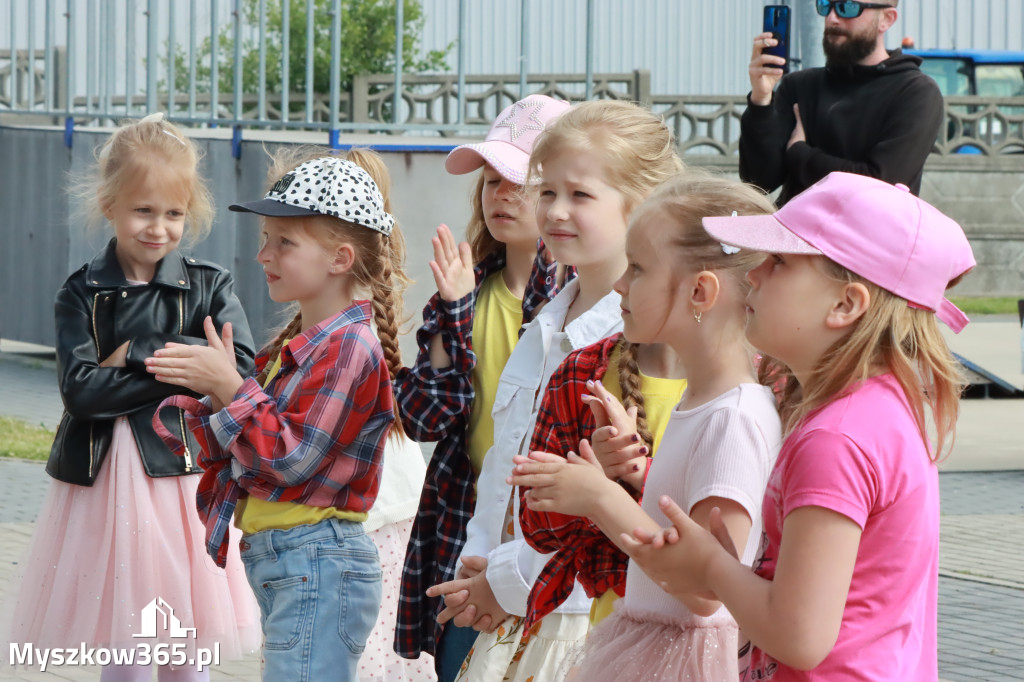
x=867, y=111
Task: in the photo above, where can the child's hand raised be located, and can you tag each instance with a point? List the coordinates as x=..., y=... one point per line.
x=564, y=485
x=452, y=266
x=616, y=443
x=209, y=370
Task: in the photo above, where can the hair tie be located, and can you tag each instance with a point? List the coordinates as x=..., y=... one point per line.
x=178, y=139
x=157, y=118
x=729, y=250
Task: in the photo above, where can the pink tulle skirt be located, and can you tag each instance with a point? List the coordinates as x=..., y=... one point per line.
x=99, y=556
x=639, y=647
x=380, y=663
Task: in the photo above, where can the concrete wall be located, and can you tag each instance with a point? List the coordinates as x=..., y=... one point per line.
x=42, y=237
x=986, y=196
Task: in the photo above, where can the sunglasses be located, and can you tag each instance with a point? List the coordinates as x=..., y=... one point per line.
x=847, y=9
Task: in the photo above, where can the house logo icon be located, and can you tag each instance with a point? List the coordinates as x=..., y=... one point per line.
x=159, y=615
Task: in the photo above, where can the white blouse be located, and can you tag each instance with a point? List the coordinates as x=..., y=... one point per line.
x=513, y=566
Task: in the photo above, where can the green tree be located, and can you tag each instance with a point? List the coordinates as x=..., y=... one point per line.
x=367, y=46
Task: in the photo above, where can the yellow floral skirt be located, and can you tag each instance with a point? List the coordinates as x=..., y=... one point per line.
x=505, y=655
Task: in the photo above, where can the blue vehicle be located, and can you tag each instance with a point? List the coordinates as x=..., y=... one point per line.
x=983, y=73
x=987, y=73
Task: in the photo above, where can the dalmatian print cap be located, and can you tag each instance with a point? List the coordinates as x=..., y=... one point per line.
x=325, y=186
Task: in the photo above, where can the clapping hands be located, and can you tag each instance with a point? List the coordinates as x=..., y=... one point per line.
x=210, y=370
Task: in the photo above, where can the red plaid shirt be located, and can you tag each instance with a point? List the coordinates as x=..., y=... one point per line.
x=434, y=406
x=314, y=436
x=581, y=551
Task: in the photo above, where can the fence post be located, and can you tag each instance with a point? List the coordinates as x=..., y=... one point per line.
x=60, y=75
x=642, y=87
x=360, y=99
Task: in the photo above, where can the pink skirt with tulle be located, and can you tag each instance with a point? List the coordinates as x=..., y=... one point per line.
x=639, y=647
x=99, y=556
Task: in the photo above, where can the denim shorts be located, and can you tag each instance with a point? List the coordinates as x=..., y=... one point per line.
x=319, y=591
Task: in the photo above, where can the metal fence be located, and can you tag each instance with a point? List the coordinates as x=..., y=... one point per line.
x=74, y=62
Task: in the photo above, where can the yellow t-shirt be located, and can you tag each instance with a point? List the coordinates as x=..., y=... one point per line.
x=253, y=514
x=660, y=396
x=496, y=322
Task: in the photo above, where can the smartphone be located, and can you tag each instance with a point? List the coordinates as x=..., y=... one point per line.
x=776, y=22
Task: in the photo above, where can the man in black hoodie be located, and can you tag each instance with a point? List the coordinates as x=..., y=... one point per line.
x=868, y=111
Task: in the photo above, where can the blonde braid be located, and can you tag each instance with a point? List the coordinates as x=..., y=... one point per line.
x=386, y=311
x=629, y=384
x=290, y=331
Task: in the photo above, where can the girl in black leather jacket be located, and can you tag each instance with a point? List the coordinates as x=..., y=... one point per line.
x=119, y=527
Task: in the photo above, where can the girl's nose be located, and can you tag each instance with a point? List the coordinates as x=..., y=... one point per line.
x=620, y=286
x=557, y=210
x=157, y=226
x=261, y=255
x=507, y=190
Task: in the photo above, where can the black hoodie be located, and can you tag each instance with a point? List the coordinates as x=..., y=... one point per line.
x=879, y=120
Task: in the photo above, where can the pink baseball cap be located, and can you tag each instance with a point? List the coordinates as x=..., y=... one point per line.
x=879, y=231
x=510, y=140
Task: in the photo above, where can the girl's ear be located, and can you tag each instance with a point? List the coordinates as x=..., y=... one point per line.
x=851, y=304
x=705, y=290
x=344, y=259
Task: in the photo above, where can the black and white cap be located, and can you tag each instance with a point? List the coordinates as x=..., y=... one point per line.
x=325, y=186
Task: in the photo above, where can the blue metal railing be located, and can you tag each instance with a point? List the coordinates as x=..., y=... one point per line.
x=91, y=74
x=94, y=71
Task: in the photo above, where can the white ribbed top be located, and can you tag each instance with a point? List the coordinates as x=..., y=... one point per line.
x=723, y=448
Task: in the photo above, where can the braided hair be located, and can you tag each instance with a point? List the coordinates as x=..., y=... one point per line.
x=629, y=384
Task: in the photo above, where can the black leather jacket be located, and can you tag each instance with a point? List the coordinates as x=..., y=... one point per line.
x=97, y=310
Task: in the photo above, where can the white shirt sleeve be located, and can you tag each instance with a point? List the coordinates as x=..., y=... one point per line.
x=731, y=460
x=483, y=532
x=513, y=568
x=511, y=580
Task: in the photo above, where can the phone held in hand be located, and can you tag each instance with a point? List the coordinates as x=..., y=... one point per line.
x=776, y=22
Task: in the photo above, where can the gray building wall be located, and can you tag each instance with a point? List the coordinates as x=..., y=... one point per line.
x=689, y=46
x=42, y=239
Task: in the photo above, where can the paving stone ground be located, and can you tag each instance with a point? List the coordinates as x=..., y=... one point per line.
x=981, y=583
x=981, y=576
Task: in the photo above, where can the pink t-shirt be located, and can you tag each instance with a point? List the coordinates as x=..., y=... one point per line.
x=862, y=456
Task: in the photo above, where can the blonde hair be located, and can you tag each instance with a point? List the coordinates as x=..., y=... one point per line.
x=686, y=198
x=134, y=150
x=636, y=146
x=891, y=335
x=379, y=260
x=630, y=387
x=693, y=195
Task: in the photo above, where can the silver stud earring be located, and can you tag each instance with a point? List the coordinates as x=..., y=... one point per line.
x=696, y=315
